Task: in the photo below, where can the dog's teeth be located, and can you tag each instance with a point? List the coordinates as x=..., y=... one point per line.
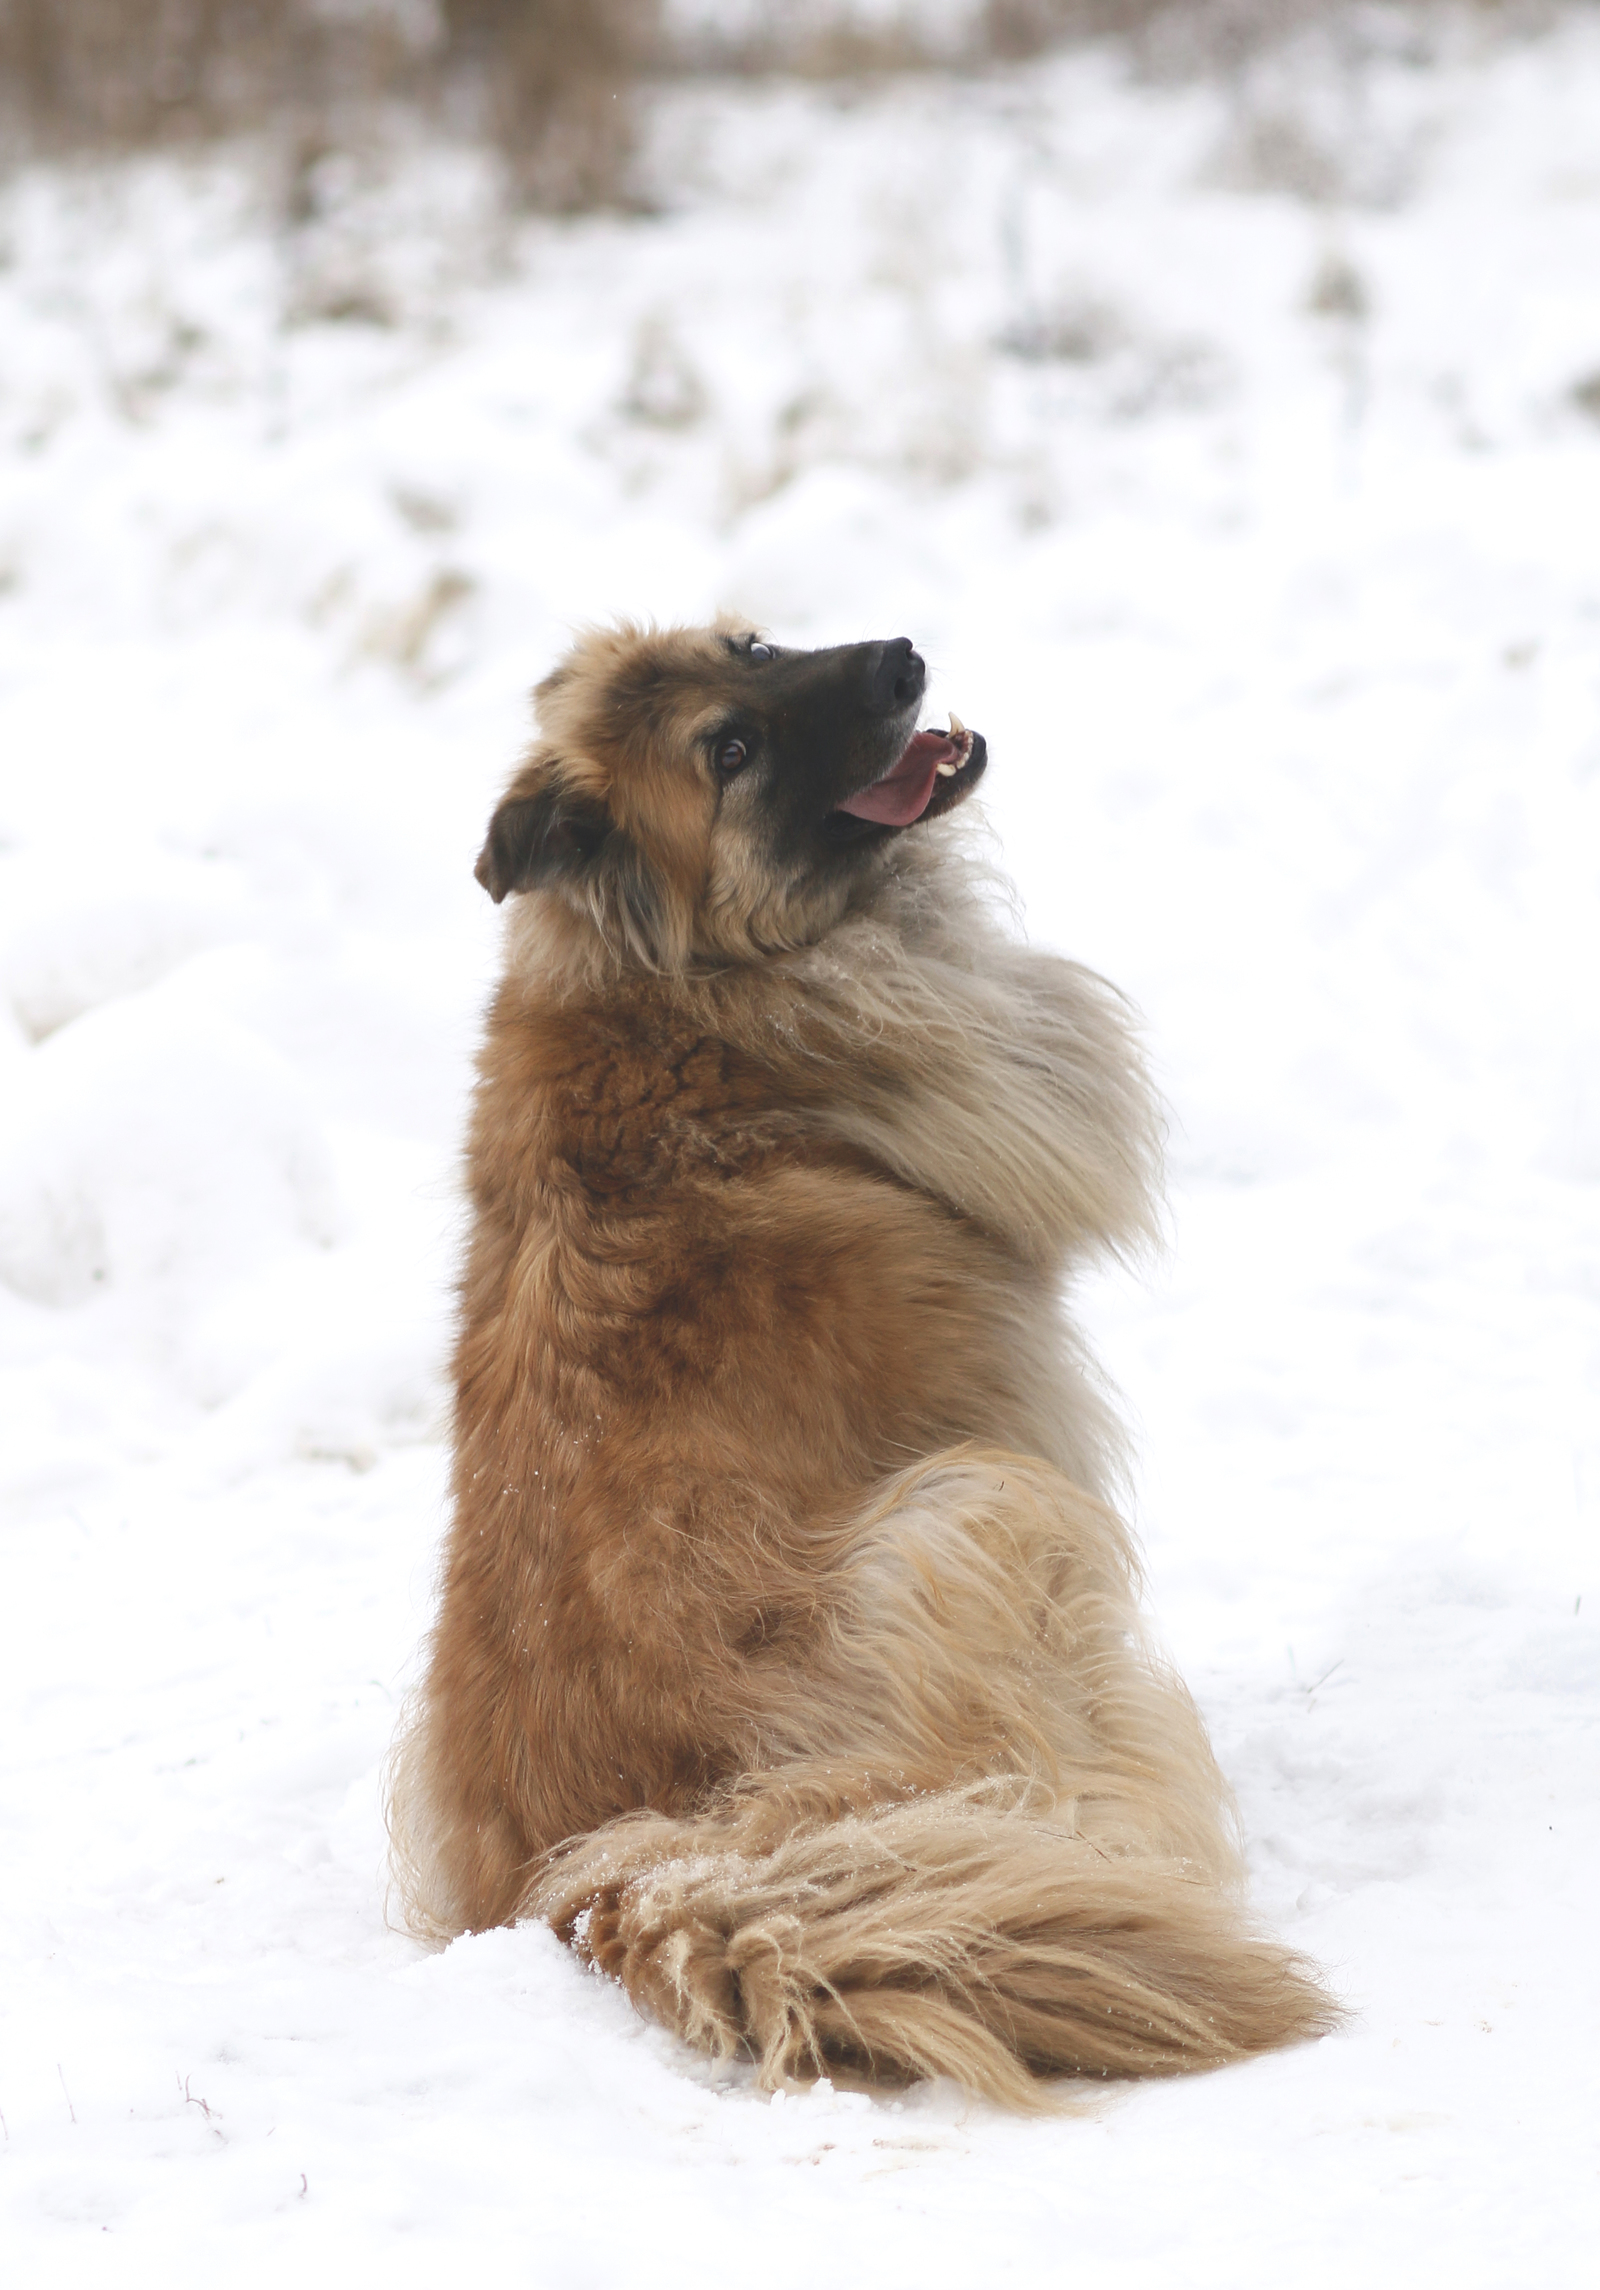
x=945, y=770
x=958, y=729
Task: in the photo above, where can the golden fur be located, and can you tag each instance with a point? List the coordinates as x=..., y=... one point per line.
x=790, y=1659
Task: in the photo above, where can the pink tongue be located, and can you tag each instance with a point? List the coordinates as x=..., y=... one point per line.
x=904, y=793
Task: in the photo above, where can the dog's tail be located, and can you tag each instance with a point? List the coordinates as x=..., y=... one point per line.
x=964, y=1934
x=985, y=1838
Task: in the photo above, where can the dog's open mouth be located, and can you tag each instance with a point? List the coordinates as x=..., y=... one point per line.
x=906, y=790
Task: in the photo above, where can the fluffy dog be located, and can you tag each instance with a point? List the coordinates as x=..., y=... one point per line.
x=790, y=1660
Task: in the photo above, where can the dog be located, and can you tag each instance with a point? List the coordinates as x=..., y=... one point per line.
x=790, y=1660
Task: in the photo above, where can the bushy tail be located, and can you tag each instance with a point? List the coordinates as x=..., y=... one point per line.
x=967, y=1934
x=984, y=1835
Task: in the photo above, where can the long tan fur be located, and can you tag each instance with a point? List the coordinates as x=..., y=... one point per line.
x=790, y=1659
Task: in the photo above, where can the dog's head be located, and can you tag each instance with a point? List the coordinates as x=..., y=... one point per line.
x=706, y=794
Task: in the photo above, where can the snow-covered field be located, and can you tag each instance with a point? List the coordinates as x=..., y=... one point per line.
x=1235, y=457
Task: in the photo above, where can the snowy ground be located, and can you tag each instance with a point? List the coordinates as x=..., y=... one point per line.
x=1229, y=453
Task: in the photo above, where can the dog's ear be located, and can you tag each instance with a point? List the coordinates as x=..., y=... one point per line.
x=539, y=833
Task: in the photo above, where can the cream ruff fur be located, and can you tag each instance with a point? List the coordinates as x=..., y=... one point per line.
x=790, y=1660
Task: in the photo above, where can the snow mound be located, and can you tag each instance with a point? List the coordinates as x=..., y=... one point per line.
x=158, y=1152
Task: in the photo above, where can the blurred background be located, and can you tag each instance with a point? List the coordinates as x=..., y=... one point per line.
x=1211, y=388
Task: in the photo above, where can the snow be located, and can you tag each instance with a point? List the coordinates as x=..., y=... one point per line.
x=1235, y=472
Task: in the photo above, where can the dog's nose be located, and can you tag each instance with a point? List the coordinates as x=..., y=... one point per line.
x=897, y=677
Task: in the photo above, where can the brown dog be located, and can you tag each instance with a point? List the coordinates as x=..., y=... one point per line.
x=790, y=1660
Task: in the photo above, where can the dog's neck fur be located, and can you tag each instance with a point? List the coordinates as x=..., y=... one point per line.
x=1005, y=1082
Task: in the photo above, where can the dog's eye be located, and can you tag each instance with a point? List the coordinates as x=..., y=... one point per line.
x=760, y=651
x=732, y=758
